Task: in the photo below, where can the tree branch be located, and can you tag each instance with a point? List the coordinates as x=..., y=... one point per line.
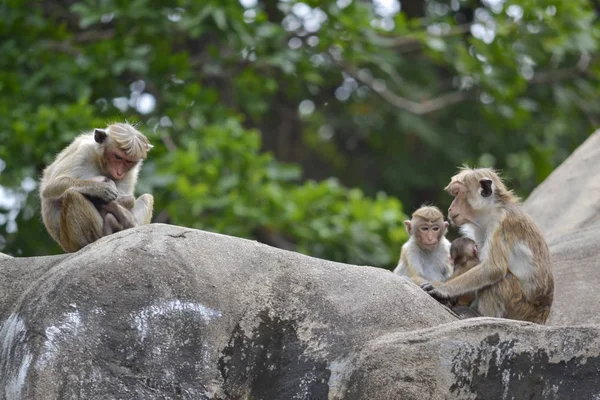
x=452, y=98
x=403, y=103
x=61, y=47
x=412, y=39
x=67, y=47
x=563, y=74
x=94, y=35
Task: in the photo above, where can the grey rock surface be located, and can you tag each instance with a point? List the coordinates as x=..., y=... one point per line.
x=566, y=206
x=480, y=358
x=576, y=258
x=569, y=199
x=164, y=312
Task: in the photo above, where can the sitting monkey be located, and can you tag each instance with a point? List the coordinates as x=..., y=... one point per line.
x=514, y=277
x=425, y=256
x=87, y=192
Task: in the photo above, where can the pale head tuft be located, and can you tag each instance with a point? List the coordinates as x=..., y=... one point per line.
x=429, y=213
x=470, y=177
x=128, y=139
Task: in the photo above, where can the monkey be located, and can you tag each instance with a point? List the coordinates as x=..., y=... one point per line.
x=116, y=215
x=509, y=243
x=87, y=192
x=464, y=255
x=425, y=256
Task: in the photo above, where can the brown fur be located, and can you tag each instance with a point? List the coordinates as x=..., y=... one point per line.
x=81, y=200
x=463, y=253
x=464, y=257
x=510, y=244
x=421, y=262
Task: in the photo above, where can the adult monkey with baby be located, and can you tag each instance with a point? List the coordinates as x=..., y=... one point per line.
x=87, y=192
x=425, y=256
x=509, y=243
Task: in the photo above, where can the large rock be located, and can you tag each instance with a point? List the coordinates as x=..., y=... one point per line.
x=567, y=208
x=480, y=358
x=166, y=311
x=163, y=312
x=569, y=199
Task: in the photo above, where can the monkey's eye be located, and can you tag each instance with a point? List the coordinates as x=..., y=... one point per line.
x=424, y=228
x=118, y=157
x=436, y=228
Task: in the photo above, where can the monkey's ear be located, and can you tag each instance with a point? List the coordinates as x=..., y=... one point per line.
x=446, y=225
x=475, y=250
x=486, y=187
x=408, y=227
x=99, y=135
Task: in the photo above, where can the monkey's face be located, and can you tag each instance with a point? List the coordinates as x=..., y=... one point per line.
x=428, y=234
x=117, y=164
x=460, y=211
x=464, y=251
x=470, y=199
x=456, y=254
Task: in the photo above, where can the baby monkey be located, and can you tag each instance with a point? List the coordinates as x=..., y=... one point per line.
x=464, y=255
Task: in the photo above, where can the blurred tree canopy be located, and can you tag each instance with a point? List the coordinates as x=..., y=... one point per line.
x=305, y=125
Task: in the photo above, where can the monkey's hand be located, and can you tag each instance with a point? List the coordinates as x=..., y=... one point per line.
x=126, y=201
x=434, y=290
x=104, y=192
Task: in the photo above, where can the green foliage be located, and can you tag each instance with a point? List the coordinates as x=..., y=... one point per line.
x=207, y=170
x=220, y=181
x=254, y=106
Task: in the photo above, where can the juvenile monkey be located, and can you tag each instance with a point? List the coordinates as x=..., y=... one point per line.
x=425, y=256
x=509, y=242
x=87, y=192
